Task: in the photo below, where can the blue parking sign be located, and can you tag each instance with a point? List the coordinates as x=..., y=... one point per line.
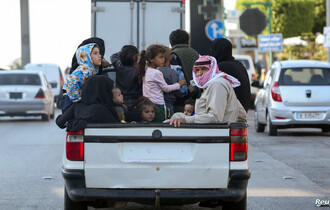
x=214, y=29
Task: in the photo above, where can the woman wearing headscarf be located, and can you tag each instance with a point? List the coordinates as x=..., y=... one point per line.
x=221, y=49
x=96, y=105
x=218, y=102
x=100, y=44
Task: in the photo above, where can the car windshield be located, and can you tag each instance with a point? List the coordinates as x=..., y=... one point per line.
x=305, y=76
x=19, y=79
x=245, y=63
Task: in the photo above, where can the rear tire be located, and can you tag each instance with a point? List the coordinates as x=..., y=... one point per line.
x=52, y=114
x=73, y=205
x=272, y=130
x=45, y=117
x=241, y=205
x=326, y=129
x=258, y=126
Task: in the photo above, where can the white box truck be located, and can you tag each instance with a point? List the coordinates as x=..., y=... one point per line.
x=136, y=22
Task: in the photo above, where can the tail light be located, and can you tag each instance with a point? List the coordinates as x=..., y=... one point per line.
x=254, y=77
x=238, y=144
x=40, y=94
x=75, y=145
x=276, y=94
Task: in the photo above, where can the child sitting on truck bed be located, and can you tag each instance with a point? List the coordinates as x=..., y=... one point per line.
x=123, y=113
x=146, y=109
x=189, y=107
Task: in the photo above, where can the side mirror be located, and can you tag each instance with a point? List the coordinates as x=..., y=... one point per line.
x=256, y=84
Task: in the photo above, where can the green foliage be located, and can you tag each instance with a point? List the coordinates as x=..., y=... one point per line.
x=289, y=17
x=16, y=64
x=319, y=16
x=312, y=51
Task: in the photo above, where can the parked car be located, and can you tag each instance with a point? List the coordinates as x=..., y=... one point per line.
x=247, y=62
x=53, y=75
x=24, y=93
x=294, y=94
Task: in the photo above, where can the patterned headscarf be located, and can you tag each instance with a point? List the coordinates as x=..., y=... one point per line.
x=207, y=78
x=85, y=69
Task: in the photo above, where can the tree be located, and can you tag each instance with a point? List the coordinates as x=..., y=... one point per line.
x=16, y=64
x=319, y=16
x=287, y=17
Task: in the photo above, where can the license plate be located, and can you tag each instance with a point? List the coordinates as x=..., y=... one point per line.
x=309, y=115
x=15, y=95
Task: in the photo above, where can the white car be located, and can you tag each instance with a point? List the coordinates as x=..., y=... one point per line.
x=247, y=62
x=24, y=93
x=294, y=94
x=53, y=75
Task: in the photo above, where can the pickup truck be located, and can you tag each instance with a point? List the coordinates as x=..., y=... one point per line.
x=156, y=164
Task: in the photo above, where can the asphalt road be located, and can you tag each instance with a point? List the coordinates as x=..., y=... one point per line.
x=289, y=171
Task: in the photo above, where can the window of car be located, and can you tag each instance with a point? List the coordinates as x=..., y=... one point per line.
x=269, y=76
x=245, y=63
x=20, y=79
x=305, y=76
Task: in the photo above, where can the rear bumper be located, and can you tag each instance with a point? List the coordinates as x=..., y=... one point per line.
x=77, y=191
x=24, y=108
x=289, y=119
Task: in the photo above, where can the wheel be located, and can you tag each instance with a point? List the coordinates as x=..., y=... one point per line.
x=326, y=129
x=272, y=129
x=241, y=205
x=52, y=114
x=45, y=117
x=258, y=126
x=73, y=205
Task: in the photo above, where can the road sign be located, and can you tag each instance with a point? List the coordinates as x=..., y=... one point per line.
x=252, y=21
x=270, y=43
x=232, y=24
x=233, y=15
x=326, y=33
x=214, y=29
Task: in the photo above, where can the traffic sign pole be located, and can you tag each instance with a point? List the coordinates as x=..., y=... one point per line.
x=328, y=24
x=269, y=5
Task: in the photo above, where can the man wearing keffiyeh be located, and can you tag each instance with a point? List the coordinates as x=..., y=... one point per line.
x=218, y=102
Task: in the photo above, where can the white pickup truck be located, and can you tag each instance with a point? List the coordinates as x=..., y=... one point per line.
x=156, y=164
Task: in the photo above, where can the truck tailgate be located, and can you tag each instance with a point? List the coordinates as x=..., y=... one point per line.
x=156, y=157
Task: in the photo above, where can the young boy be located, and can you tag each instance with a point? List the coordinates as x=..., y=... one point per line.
x=123, y=114
x=120, y=107
x=89, y=60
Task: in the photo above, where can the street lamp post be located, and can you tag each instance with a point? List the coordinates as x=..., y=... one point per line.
x=269, y=5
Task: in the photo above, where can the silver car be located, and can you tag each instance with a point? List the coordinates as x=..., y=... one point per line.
x=294, y=94
x=24, y=93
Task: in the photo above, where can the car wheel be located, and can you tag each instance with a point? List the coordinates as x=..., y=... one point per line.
x=241, y=205
x=326, y=129
x=52, y=114
x=258, y=126
x=272, y=130
x=45, y=117
x=73, y=205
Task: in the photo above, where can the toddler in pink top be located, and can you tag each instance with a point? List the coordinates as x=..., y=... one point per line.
x=153, y=83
